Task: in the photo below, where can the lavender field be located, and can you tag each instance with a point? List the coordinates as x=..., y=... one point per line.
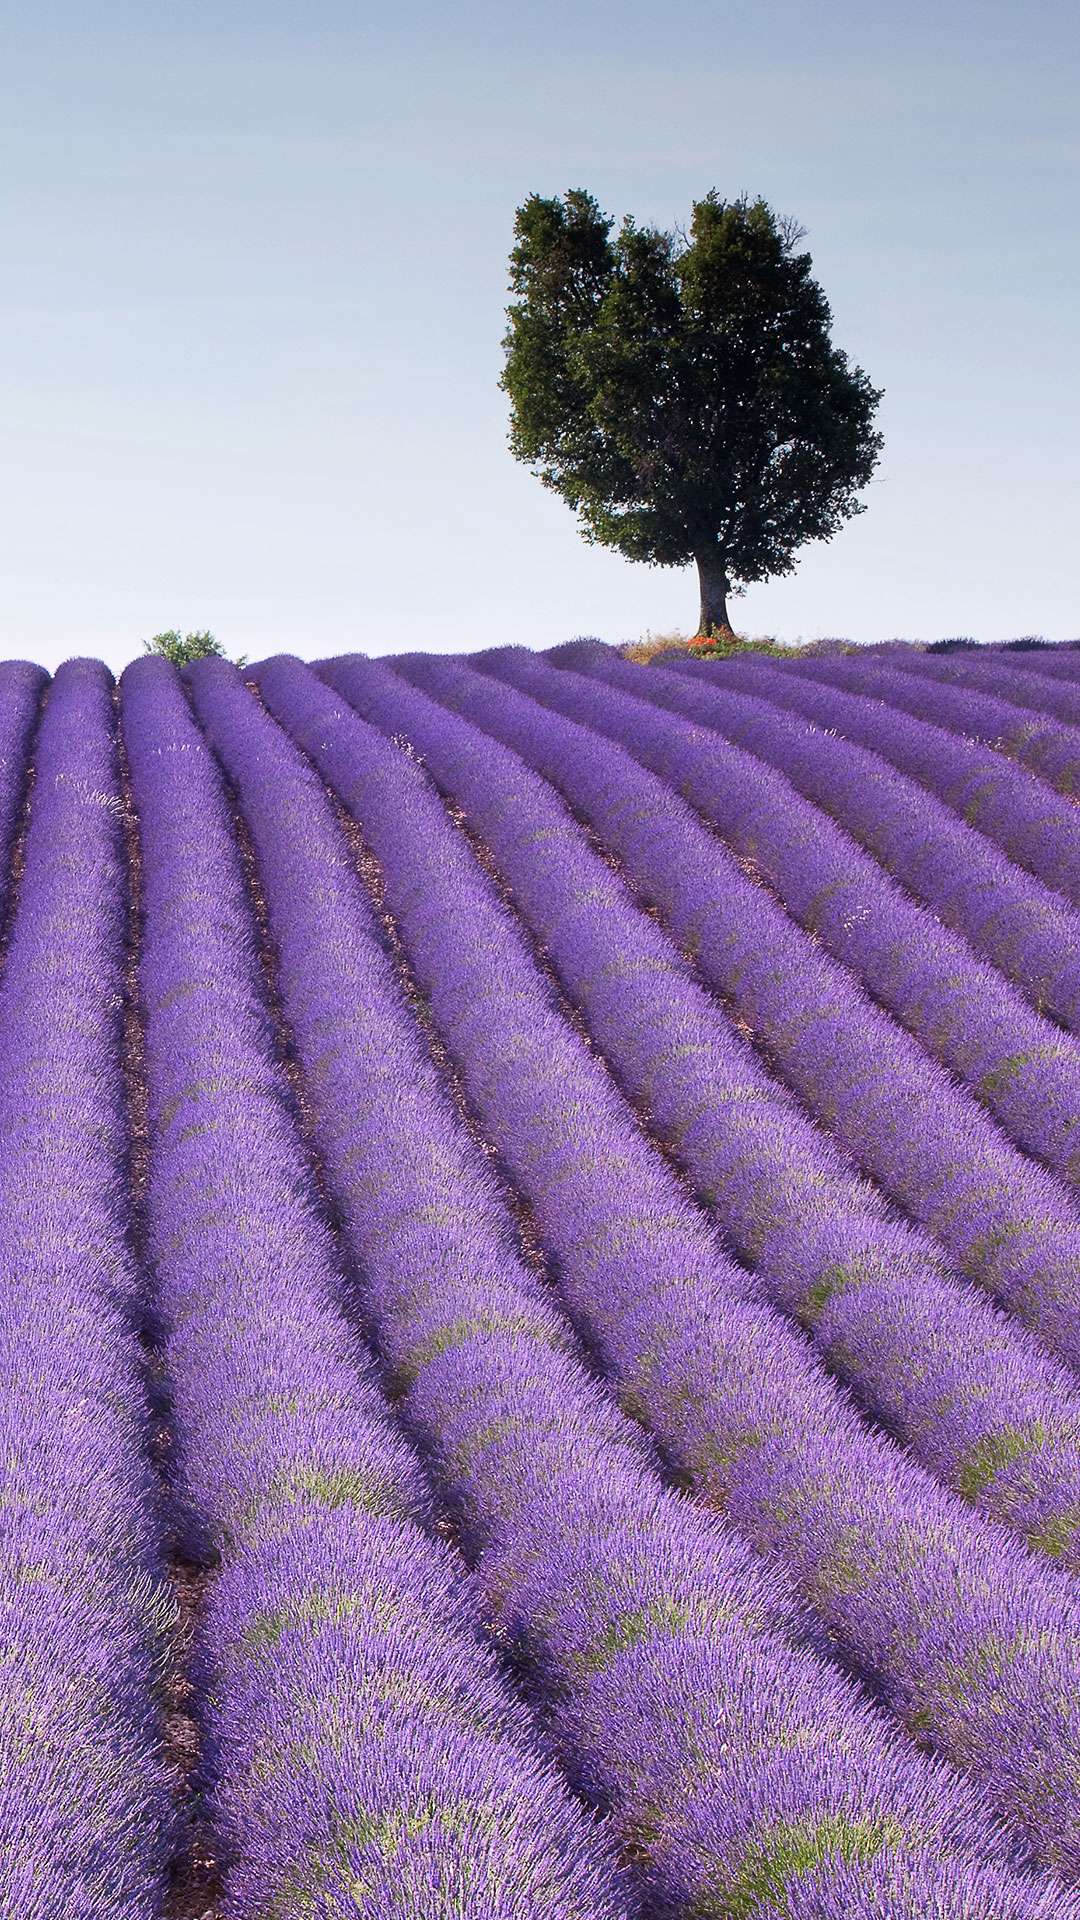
x=541, y=1288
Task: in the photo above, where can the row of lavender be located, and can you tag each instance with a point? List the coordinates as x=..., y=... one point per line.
x=739, y=1773
x=1005, y=1221
x=977, y=1400
x=901, y=1577
x=363, y=1749
x=361, y=1746
x=1014, y=921
x=1030, y=714
x=86, y=1821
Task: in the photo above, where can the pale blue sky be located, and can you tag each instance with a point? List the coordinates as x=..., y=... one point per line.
x=254, y=263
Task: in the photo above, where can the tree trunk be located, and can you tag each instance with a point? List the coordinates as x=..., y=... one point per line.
x=715, y=587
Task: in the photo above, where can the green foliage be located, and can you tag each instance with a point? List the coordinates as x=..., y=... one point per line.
x=792, y=1848
x=181, y=648
x=1056, y=1534
x=657, y=647
x=681, y=391
x=629, y=1628
x=723, y=644
x=994, y=1452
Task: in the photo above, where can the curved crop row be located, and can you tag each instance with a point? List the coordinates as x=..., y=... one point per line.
x=1006, y=1222
x=974, y=1397
x=740, y=1772
x=86, y=1825
x=1017, y=1064
x=22, y=689
x=1046, y=747
x=1058, y=662
x=912, y=1587
x=1001, y=676
x=1018, y=925
x=1002, y=801
x=362, y=1748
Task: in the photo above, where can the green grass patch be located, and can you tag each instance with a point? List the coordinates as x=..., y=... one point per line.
x=791, y=1848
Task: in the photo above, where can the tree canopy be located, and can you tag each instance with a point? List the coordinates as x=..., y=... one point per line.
x=180, y=648
x=681, y=391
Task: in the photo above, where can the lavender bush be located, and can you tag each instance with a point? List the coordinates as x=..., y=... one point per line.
x=86, y=1822
x=1018, y=925
x=732, y=1763
x=1046, y=747
x=1019, y=1066
x=1059, y=661
x=1005, y=676
x=361, y=1745
x=22, y=689
x=540, y=1300
x=1004, y=1221
x=737, y=1401
x=975, y=1398
x=1010, y=806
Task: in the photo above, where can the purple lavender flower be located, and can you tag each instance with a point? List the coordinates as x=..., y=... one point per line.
x=627, y=1605
x=349, y=1704
x=1011, y=920
x=1021, y=1067
x=1004, y=676
x=920, y=1595
x=22, y=689
x=977, y=1400
x=86, y=1823
x=1004, y=1221
x=1003, y=801
x=1045, y=746
x=1058, y=662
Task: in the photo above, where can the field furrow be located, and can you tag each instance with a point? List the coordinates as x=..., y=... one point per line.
x=1005, y=1222
x=359, y=1738
x=737, y=1400
x=1036, y=829
x=728, y=1756
x=540, y=1287
x=976, y=1400
x=86, y=1815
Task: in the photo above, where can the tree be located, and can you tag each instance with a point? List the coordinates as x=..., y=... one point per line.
x=681, y=391
x=179, y=648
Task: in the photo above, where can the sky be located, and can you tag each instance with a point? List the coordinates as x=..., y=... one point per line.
x=254, y=288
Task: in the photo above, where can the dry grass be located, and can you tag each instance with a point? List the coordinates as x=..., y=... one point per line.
x=646, y=649
x=652, y=645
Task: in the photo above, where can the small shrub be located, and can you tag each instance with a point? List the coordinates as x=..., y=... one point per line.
x=721, y=646
x=654, y=644
x=181, y=648
x=655, y=647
